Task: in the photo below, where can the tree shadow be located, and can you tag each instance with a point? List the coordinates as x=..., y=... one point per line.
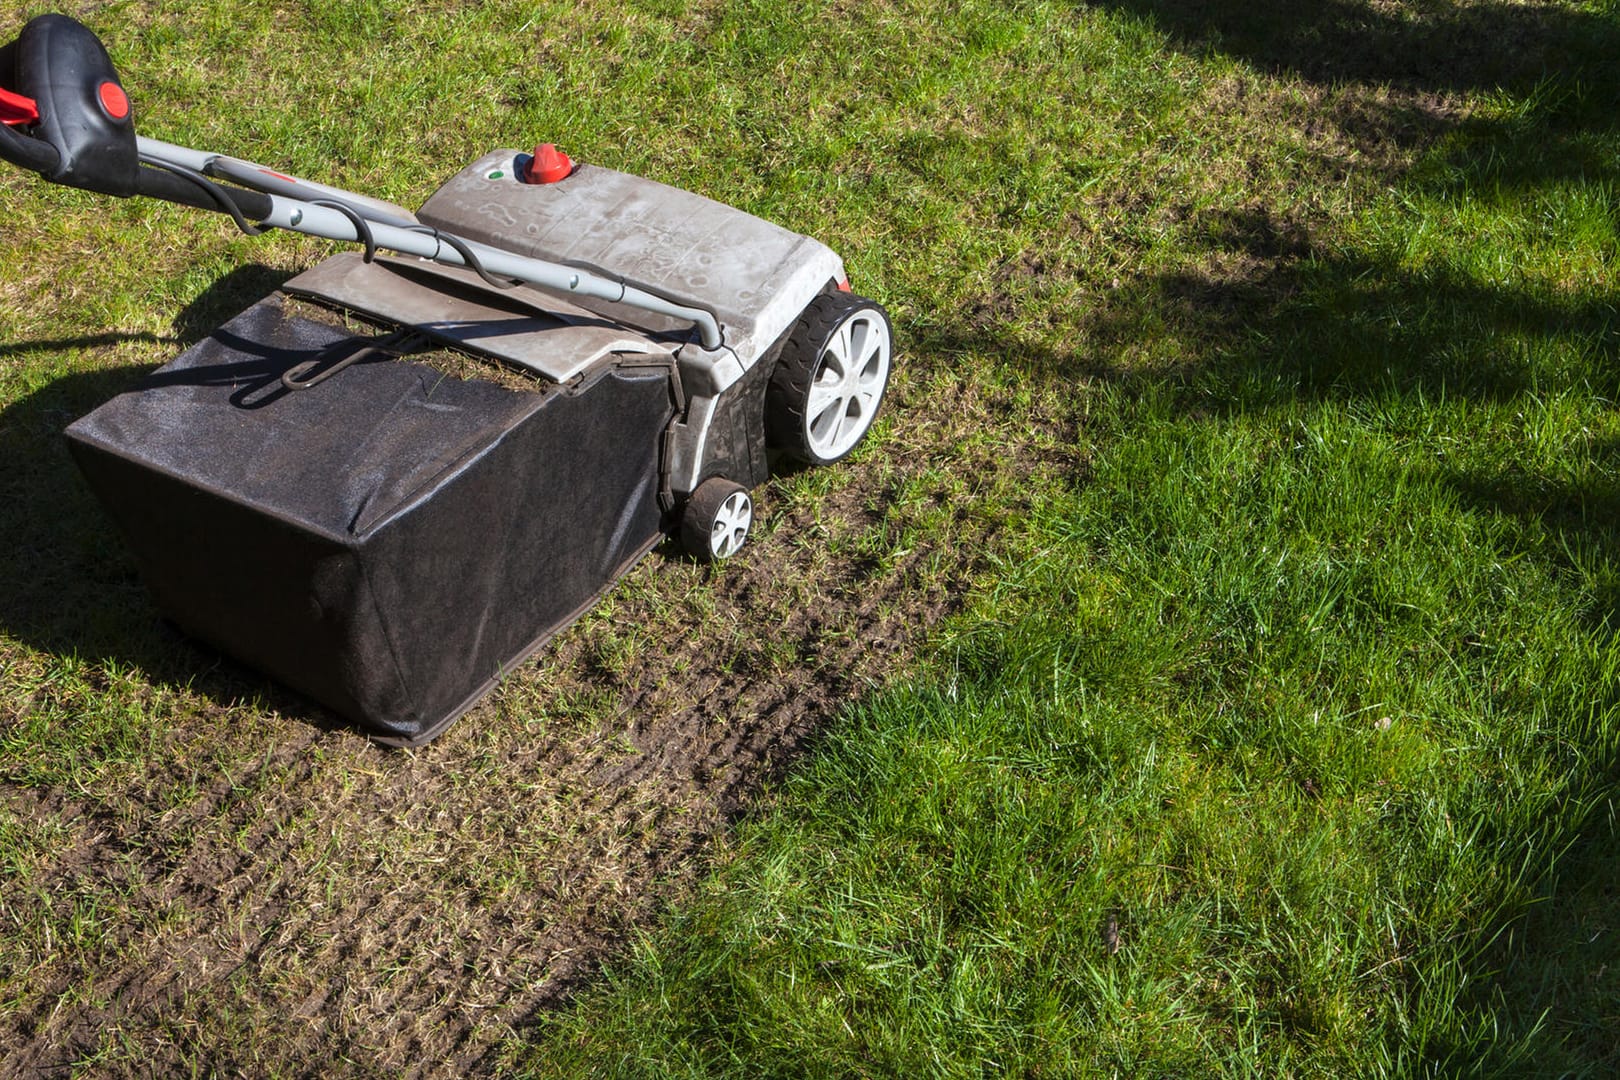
x=1279, y=319
x=68, y=587
x=1441, y=46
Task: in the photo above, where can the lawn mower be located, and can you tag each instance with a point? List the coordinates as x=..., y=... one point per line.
x=303, y=490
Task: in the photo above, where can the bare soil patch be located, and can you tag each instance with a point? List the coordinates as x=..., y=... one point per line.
x=274, y=894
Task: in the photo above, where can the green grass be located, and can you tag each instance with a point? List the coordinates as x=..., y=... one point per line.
x=1274, y=347
x=1273, y=726
x=1308, y=727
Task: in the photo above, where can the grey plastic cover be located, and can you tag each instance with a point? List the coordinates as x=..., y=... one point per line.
x=754, y=275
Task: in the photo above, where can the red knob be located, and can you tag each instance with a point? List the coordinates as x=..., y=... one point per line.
x=548, y=165
x=113, y=99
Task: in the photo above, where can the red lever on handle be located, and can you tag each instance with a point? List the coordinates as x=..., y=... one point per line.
x=16, y=109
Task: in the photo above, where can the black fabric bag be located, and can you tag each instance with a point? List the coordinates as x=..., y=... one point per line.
x=391, y=541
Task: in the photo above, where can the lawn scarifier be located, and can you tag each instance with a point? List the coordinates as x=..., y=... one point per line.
x=300, y=494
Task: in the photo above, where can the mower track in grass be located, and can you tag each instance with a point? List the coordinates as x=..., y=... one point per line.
x=265, y=891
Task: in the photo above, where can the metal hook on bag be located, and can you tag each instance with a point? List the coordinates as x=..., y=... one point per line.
x=392, y=345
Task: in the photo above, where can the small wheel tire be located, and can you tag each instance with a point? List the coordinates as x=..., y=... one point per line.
x=716, y=520
x=828, y=383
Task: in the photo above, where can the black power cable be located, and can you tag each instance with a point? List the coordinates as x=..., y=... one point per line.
x=362, y=230
x=220, y=196
x=462, y=248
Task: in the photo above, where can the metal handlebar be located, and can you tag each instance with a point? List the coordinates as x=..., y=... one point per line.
x=375, y=223
x=83, y=135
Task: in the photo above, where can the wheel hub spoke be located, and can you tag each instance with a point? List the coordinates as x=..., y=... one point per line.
x=823, y=398
x=731, y=524
x=841, y=398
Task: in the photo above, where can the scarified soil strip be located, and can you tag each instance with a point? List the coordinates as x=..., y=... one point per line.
x=319, y=905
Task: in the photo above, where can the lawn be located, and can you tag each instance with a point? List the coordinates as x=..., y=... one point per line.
x=1208, y=667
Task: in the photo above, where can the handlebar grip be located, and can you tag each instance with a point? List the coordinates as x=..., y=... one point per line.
x=85, y=134
x=27, y=152
x=22, y=150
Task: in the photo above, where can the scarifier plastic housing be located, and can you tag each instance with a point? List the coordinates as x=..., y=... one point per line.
x=389, y=539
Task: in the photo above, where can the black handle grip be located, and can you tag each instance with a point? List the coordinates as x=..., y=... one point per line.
x=28, y=153
x=21, y=149
x=85, y=135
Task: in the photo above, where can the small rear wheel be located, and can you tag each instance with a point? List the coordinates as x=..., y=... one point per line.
x=715, y=522
x=829, y=381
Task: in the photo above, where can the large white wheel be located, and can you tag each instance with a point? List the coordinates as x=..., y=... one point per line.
x=716, y=520
x=829, y=381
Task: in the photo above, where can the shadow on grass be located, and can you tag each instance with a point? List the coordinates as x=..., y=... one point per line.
x=67, y=585
x=1289, y=321
x=1578, y=522
x=1443, y=46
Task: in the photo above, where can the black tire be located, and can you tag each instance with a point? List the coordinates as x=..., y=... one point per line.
x=828, y=384
x=716, y=520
